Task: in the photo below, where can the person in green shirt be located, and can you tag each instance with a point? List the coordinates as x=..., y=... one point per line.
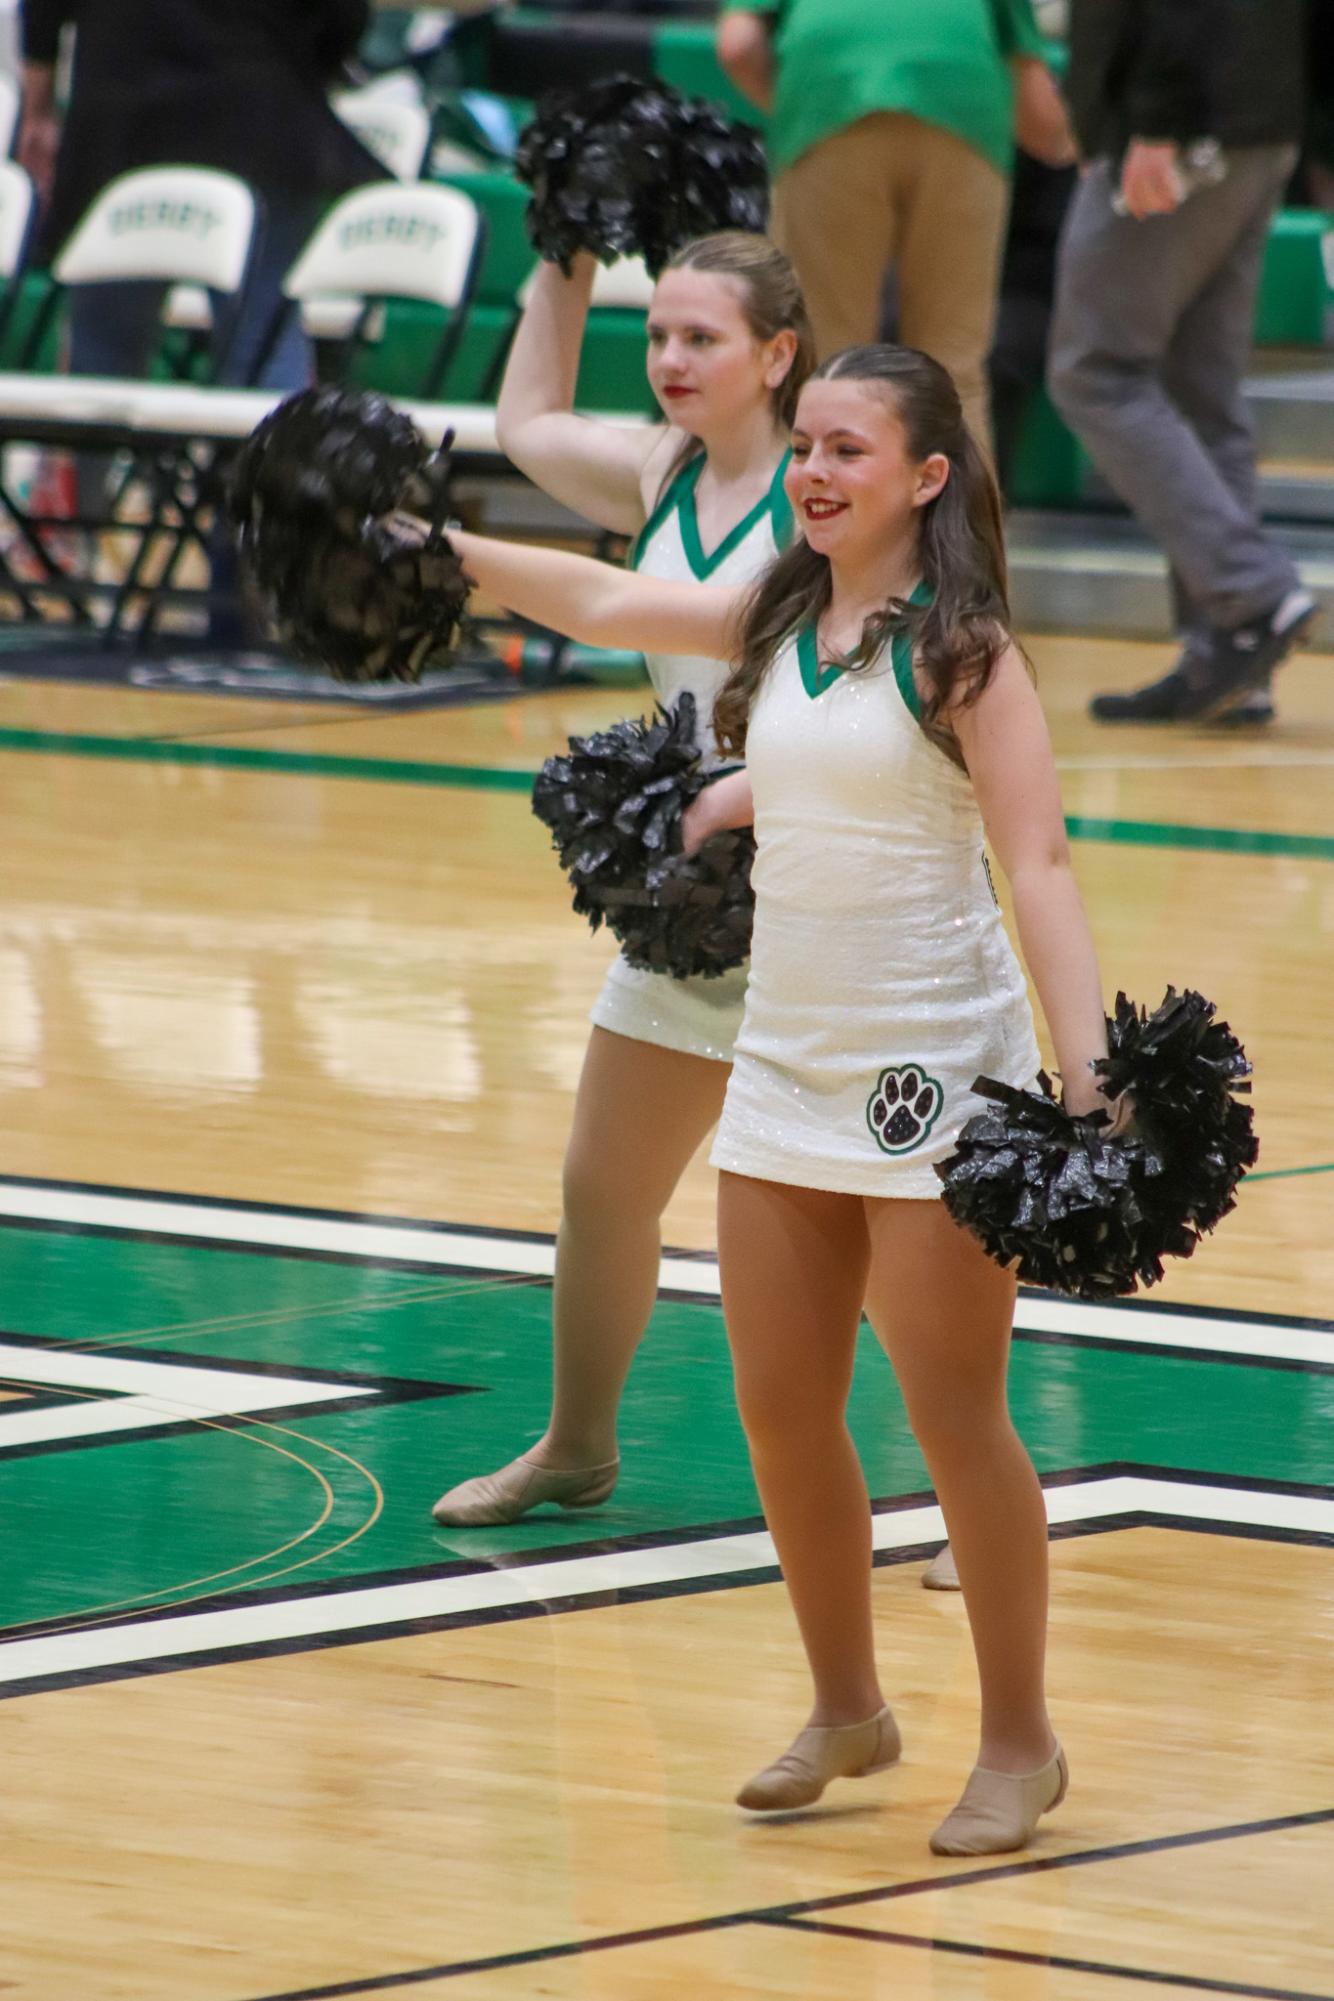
x=892, y=126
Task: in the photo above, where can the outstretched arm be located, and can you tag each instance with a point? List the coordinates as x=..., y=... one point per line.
x=1003, y=736
x=601, y=604
x=588, y=464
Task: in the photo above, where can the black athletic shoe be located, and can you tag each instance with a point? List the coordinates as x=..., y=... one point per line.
x=1230, y=665
x=1162, y=701
x=1221, y=676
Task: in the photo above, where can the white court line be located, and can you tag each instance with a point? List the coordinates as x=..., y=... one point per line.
x=129, y=1395
x=535, y=1258
x=538, y=1584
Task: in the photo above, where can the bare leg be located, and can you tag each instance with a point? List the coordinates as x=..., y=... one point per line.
x=793, y=1264
x=943, y=1312
x=640, y=1114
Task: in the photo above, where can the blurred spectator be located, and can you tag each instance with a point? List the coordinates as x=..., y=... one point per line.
x=1157, y=280
x=1018, y=362
x=240, y=86
x=891, y=139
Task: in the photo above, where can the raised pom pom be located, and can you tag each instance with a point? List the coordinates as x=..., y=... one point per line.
x=1073, y=1208
x=623, y=168
x=613, y=803
x=317, y=496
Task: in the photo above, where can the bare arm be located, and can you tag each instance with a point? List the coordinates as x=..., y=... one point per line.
x=38, y=140
x=1041, y=122
x=745, y=53
x=601, y=604
x=727, y=802
x=1003, y=736
x=595, y=467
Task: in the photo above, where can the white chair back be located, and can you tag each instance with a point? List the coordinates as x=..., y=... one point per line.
x=412, y=242
x=16, y=217
x=188, y=225
x=624, y=286
x=395, y=129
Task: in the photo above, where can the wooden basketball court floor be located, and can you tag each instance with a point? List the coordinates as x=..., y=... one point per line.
x=294, y=1008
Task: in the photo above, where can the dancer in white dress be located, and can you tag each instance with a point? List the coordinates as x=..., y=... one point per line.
x=728, y=348
x=881, y=984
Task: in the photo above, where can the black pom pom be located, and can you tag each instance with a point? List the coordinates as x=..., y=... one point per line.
x=1185, y=1072
x=614, y=803
x=312, y=496
x=624, y=168
x=1074, y=1209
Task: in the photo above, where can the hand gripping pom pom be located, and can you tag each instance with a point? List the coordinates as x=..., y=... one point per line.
x=313, y=496
x=614, y=803
x=625, y=168
x=1083, y=1213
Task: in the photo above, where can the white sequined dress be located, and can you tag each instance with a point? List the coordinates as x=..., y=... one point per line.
x=881, y=978
x=699, y=1017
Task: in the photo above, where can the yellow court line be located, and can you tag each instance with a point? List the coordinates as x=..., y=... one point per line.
x=241, y=1427
x=88, y=1616
x=321, y=1556
x=286, y=1316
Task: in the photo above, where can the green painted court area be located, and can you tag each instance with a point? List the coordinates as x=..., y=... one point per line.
x=440, y=1374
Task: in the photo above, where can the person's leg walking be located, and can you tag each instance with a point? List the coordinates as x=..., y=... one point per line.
x=953, y=209
x=833, y=213
x=640, y=1115
x=1124, y=288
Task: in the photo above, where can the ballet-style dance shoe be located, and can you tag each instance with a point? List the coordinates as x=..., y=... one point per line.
x=820, y=1753
x=999, y=1811
x=495, y=1498
x=940, y=1574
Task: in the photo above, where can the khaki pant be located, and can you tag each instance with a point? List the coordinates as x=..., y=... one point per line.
x=891, y=190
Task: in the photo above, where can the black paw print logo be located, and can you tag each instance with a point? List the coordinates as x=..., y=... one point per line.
x=903, y=1107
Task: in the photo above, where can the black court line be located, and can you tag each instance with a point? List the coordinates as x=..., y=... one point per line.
x=775, y=1914
x=969, y=1950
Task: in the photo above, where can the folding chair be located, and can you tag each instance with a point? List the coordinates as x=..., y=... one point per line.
x=394, y=126
x=380, y=244
x=18, y=216
x=172, y=224
x=391, y=122
x=623, y=288
x=180, y=225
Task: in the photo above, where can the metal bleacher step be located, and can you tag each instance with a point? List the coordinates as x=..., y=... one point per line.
x=1294, y=412
x=1096, y=573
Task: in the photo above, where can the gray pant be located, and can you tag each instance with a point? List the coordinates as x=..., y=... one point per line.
x=1149, y=343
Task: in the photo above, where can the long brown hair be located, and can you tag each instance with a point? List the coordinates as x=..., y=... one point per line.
x=771, y=303
x=960, y=635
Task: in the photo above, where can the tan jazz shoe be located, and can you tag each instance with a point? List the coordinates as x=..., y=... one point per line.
x=505, y=1496
x=820, y=1753
x=999, y=1811
x=940, y=1574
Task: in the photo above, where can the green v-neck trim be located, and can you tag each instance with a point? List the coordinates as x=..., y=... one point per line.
x=680, y=497
x=665, y=508
x=815, y=678
x=704, y=566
